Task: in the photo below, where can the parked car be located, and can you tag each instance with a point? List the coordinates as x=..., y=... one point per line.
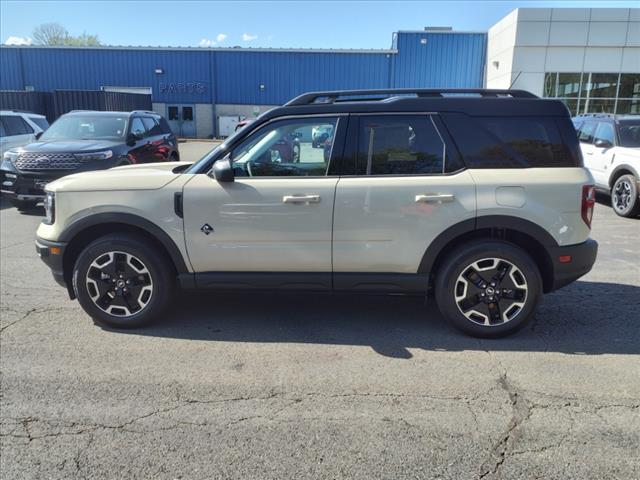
x=611, y=149
x=19, y=128
x=81, y=141
x=479, y=199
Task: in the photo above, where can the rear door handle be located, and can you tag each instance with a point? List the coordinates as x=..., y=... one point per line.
x=301, y=199
x=435, y=198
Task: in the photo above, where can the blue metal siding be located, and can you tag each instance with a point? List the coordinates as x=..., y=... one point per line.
x=287, y=74
x=10, y=75
x=186, y=77
x=447, y=60
x=234, y=77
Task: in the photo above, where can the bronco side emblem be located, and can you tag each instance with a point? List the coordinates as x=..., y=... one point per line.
x=206, y=229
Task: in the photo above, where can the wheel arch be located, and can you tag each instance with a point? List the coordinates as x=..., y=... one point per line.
x=532, y=238
x=620, y=170
x=82, y=232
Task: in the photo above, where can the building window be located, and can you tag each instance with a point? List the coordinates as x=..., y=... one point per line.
x=595, y=92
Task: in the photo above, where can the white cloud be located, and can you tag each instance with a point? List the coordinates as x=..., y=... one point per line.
x=247, y=37
x=221, y=37
x=205, y=42
x=18, y=41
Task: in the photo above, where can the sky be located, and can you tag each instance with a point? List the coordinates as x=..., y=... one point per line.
x=284, y=24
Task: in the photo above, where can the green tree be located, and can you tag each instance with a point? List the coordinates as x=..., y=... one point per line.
x=56, y=34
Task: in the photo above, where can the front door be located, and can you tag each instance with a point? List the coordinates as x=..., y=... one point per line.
x=276, y=216
x=603, y=143
x=182, y=120
x=400, y=197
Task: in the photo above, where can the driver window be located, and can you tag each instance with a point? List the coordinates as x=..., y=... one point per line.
x=297, y=148
x=137, y=127
x=605, y=132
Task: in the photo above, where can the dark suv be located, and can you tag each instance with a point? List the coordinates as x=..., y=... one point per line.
x=81, y=141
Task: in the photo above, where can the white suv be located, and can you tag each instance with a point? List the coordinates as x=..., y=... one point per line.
x=611, y=149
x=19, y=128
x=479, y=198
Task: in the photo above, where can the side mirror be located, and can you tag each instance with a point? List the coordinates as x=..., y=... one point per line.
x=223, y=171
x=133, y=137
x=38, y=135
x=600, y=143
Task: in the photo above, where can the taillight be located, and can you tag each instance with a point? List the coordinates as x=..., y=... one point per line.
x=588, y=202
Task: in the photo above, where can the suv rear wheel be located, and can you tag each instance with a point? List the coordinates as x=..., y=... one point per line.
x=121, y=280
x=488, y=289
x=624, y=196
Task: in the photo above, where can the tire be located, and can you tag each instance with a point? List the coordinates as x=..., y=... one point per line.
x=516, y=296
x=106, y=264
x=624, y=196
x=24, y=204
x=174, y=157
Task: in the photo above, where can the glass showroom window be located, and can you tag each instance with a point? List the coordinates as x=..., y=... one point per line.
x=595, y=92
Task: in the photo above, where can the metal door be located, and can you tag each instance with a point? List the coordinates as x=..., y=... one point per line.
x=182, y=120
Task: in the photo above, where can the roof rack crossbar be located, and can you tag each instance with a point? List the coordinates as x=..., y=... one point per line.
x=335, y=95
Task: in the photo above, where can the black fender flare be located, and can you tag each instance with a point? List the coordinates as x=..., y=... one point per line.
x=622, y=166
x=527, y=227
x=128, y=219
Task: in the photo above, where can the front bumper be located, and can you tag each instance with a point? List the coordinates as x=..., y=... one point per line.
x=52, y=254
x=582, y=257
x=24, y=186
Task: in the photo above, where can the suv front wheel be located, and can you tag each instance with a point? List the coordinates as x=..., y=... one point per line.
x=122, y=280
x=488, y=289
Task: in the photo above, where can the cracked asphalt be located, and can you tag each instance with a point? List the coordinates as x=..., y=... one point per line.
x=262, y=386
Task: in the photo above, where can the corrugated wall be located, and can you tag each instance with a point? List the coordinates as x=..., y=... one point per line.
x=440, y=60
x=287, y=74
x=235, y=77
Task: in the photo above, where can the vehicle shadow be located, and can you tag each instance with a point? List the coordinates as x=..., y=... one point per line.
x=575, y=320
x=38, y=210
x=603, y=199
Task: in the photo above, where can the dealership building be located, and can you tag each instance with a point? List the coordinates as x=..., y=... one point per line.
x=589, y=58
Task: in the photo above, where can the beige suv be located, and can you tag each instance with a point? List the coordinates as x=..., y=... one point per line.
x=478, y=197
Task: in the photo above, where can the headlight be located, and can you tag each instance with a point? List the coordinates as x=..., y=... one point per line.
x=90, y=157
x=49, y=208
x=10, y=156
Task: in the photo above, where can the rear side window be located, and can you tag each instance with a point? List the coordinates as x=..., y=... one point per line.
x=14, y=125
x=41, y=122
x=511, y=142
x=164, y=125
x=137, y=127
x=399, y=145
x=152, y=126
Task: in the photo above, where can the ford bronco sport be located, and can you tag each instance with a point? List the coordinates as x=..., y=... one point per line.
x=611, y=149
x=478, y=197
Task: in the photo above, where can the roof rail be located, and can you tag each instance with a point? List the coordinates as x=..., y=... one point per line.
x=335, y=95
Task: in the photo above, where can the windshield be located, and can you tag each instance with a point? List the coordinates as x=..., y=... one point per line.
x=629, y=133
x=81, y=127
x=223, y=146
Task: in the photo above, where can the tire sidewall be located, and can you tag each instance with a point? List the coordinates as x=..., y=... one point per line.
x=634, y=205
x=460, y=259
x=158, y=270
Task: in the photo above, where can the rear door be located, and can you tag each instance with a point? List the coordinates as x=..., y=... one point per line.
x=602, y=157
x=403, y=189
x=585, y=136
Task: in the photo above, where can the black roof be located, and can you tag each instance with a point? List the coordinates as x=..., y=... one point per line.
x=475, y=102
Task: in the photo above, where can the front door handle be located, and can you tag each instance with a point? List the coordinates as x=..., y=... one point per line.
x=435, y=198
x=301, y=199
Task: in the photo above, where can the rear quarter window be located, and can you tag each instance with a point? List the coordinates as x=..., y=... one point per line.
x=514, y=142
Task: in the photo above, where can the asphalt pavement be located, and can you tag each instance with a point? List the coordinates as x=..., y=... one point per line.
x=264, y=386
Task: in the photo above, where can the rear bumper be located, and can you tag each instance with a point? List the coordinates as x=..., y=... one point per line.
x=583, y=256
